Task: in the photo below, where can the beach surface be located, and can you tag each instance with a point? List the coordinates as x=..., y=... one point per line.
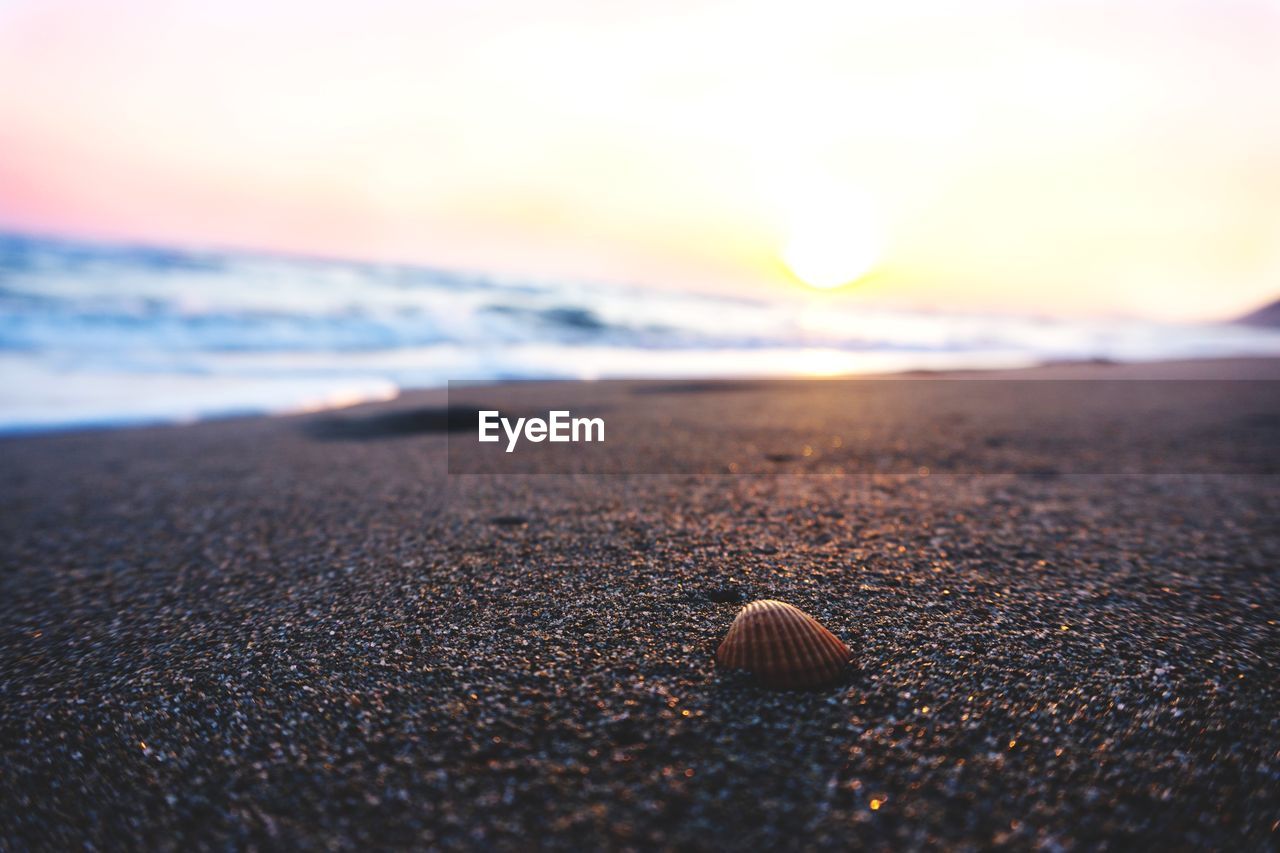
x=304, y=632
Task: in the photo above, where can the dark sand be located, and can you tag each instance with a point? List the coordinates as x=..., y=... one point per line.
x=298, y=632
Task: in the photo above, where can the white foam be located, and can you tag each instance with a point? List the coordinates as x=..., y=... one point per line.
x=93, y=335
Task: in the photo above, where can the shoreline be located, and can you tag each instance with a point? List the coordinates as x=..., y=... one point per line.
x=1213, y=368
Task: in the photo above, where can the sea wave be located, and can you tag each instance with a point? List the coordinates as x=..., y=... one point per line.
x=95, y=334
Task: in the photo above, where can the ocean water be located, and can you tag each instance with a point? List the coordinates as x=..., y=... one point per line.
x=95, y=335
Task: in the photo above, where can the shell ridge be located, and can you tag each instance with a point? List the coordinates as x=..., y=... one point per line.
x=837, y=660
x=783, y=646
x=792, y=626
x=742, y=649
x=739, y=651
x=784, y=649
x=798, y=642
x=724, y=651
x=828, y=661
x=741, y=642
x=731, y=648
x=820, y=656
x=838, y=645
x=769, y=648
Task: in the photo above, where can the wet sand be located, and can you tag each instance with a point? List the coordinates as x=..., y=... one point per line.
x=301, y=632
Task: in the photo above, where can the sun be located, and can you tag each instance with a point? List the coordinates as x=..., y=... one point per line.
x=833, y=237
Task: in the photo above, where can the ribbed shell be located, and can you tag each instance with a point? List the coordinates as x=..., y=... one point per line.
x=782, y=646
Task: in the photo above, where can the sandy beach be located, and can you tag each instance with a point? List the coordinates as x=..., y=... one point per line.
x=302, y=632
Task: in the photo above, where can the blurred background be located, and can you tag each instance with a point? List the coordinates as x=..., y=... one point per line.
x=209, y=209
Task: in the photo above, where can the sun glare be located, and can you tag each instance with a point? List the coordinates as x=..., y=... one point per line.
x=833, y=238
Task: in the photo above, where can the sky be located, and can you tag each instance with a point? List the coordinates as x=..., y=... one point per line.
x=1063, y=157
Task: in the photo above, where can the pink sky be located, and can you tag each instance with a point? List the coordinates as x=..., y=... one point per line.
x=1058, y=157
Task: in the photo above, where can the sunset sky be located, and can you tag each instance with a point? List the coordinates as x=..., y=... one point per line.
x=1059, y=157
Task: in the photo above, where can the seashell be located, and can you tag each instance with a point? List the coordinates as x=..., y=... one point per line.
x=782, y=646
